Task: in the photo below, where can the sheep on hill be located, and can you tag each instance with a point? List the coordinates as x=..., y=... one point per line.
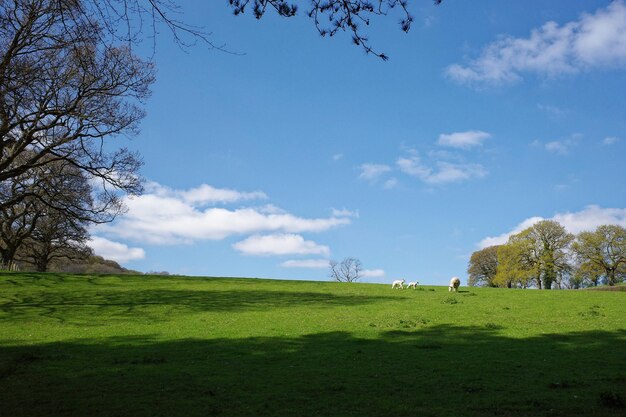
x=399, y=283
x=454, y=284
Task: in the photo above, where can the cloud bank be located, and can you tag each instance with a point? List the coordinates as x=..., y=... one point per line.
x=443, y=172
x=463, y=140
x=587, y=219
x=593, y=41
x=306, y=263
x=280, y=244
x=164, y=216
x=116, y=251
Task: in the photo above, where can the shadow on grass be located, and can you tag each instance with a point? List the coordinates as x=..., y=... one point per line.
x=93, y=307
x=433, y=371
x=93, y=300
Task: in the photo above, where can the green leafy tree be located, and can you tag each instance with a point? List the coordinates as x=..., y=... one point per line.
x=603, y=251
x=516, y=266
x=551, y=242
x=586, y=274
x=541, y=252
x=483, y=267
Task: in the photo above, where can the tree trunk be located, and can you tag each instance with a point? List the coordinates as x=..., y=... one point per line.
x=611, y=277
x=41, y=266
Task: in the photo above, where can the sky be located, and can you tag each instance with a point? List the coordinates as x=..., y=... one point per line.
x=290, y=149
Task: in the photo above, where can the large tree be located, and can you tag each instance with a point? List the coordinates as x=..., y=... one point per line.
x=128, y=20
x=603, y=251
x=51, y=206
x=483, y=266
x=551, y=243
x=55, y=237
x=17, y=223
x=540, y=251
x=64, y=91
x=517, y=266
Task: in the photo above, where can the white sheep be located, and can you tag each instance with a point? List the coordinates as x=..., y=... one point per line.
x=412, y=284
x=399, y=283
x=454, y=284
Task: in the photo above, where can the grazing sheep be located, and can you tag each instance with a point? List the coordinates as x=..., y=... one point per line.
x=398, y=284
x=454, y=284
x=412, y=284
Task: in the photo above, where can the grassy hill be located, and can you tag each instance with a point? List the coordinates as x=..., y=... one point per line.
x=178, y=346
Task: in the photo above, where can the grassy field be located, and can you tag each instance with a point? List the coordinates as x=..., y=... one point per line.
x=177, y=346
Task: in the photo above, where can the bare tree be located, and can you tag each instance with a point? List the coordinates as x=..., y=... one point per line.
x=17, y=223
x=332, y=16
x=51, y=206
x=56, y=236
x=348, y=270
x=63, y=91
x=126, y=20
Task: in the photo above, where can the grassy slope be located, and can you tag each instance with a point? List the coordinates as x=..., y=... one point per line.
x=110, y=346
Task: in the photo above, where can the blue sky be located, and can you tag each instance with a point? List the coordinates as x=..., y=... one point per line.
x=299, y=149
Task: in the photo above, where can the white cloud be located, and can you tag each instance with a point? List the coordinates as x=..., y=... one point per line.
x=390, y=183
x=337, y=156
x=373, y=171
x=413, y=166
x=372, y=273
x=116, y=251
x=557, y=147
x=280, y=244
x=344, y=213
x=204, y=194
x=593, y=41
x=587, y=219
x=504, y=237
x=553, y=111
x=173, y=217
x=561, y=147
x=610, y=140
x=445, y=172
x=463, y=140
x=306, y=263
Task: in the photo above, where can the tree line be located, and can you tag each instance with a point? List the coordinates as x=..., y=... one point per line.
x=546, y=256
x=68, y=91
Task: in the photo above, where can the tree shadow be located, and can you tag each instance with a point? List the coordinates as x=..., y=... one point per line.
x=94, y=307
x=431, y=371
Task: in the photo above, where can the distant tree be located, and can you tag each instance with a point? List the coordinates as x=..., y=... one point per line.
x=603, y=252
x=543, y=250
x=586, y=274
x=348, y=270
x=162, y=273
x=516, y=264
x=483, y=267
x=92, y=264
x=51, y=206
x=56, y=236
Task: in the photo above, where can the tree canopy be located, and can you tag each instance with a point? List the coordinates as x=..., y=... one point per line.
x=545, y=255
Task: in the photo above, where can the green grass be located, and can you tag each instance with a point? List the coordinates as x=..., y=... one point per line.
x=175, y=346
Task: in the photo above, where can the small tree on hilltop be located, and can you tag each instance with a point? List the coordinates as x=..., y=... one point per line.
x=348, y=270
